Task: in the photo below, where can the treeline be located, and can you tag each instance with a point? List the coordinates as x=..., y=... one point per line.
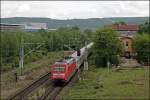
x=107, y=46
x=11, y=43
x=90, y=23
x=141, y=43
x=144, y=28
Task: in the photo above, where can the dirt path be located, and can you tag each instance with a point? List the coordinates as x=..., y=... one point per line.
x=130, y=63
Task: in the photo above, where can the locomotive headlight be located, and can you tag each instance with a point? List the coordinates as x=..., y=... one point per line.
x=58, y=74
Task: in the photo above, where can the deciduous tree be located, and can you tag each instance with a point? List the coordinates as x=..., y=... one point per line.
x=106, y=46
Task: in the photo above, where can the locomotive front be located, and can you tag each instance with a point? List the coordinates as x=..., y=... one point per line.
x=58, y=72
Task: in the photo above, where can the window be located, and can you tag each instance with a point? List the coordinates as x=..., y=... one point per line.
x=59, y=69
x=126, y=43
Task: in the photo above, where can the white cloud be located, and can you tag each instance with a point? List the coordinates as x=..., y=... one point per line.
x=74, y=9
x=24, y=8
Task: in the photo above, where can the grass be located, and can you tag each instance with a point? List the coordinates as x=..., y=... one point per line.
x=31, y=70
x=45, y=61
x=125, y=84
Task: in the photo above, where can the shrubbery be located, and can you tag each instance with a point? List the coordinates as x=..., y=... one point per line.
x=141, y=45
x=106, y=46
x=144, y=28
x=54, y=41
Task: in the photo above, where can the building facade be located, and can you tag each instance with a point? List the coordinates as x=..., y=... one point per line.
x=126, y=29
x=127, y=43
x=34, y=27
x=11, y=27
x=126, y=33
x=27, y=27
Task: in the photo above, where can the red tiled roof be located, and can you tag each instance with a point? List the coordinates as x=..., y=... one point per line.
x=125, y=37
x=126, y=27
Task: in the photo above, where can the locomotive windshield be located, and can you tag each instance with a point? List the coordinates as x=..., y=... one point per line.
x=59, y=69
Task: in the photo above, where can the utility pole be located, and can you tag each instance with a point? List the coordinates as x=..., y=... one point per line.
x=51, y=42
x=148, y=61
x=22, y=55
x=108, y=64
x=85, y=61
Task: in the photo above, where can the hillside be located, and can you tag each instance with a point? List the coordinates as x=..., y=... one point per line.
x=91, y=23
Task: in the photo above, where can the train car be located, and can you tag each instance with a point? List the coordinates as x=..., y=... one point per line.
x=63, y=70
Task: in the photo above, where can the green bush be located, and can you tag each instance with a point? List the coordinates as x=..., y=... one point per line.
x=6, y=67
x=54, y=41
x=115, y=59
x=106, y=46
x=15, y=63
x=141, y=45
x=144, y=28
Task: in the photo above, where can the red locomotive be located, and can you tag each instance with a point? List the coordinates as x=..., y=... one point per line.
x=64, y=69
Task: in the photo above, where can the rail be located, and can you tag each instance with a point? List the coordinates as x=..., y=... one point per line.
x=27, y=90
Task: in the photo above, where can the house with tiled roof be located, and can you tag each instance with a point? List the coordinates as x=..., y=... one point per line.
x=126, y=33
x=126, y=29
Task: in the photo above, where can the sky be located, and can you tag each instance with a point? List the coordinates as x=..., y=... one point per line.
x=74, y=9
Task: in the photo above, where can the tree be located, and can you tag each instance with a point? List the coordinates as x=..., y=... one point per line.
x=106, y=46
x=141, y=45
x=120, y=22
x=42, y=31
x=89, y=33
x=54, y=41
x=144, y=28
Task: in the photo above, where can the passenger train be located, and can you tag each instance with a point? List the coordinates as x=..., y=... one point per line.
x=64, y=69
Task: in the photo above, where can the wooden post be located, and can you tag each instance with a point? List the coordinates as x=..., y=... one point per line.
x=16, y=77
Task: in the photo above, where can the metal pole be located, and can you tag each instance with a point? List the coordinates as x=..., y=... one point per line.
x=85, y=62
x=52, y=41
x=108, y=64
x=21, y=56
x=148, y=61
x=69, y=42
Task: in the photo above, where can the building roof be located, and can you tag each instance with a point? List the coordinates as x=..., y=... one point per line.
x=7, y=24
x=125, y=27
x=122, y=37
x=31, y=25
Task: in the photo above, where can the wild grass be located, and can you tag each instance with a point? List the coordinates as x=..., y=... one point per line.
x=98, y=83
x=31, y=70
x=46, y=61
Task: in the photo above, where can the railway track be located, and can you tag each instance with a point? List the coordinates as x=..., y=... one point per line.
x=53, y=91
x=50, y=93
x=27, y=90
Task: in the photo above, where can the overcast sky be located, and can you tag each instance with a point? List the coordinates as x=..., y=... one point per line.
x=74, y=9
